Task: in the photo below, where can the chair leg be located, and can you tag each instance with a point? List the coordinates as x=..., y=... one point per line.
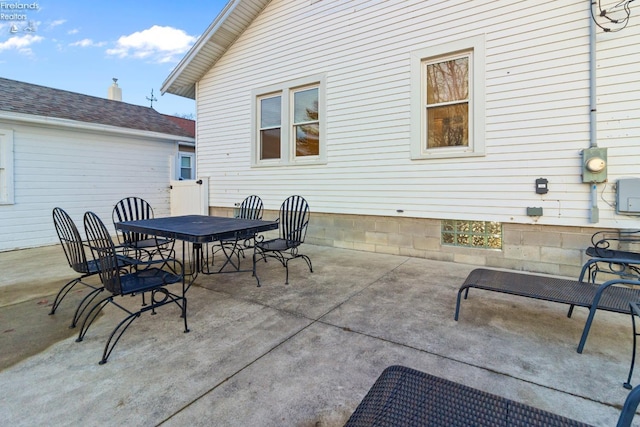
x=109, y=346
x=286, y=265
x=120, y=329
x=62, y=293
x=91, y=316
x=286, y=268
x=308, y=261
x=255, y=273
x=84, y=304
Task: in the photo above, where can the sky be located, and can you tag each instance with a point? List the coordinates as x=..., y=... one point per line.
x=80, y=46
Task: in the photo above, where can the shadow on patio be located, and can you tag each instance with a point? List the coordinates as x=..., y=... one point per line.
x=302, y=354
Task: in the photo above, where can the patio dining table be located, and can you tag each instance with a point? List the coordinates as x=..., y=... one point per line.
x=198, y=230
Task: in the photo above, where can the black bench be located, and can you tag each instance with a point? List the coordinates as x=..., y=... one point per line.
x=607, y=296
x=402, y=396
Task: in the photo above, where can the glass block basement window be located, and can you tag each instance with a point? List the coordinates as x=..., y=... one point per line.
x=472, y=234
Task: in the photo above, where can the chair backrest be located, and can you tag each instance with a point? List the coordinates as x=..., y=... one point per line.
x=70, y=240
x=131, y=209
x=607, y=243
x=251, y=208
x=294, y=218
x=104, y=252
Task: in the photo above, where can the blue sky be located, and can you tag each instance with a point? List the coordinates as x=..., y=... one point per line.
x=80, y=46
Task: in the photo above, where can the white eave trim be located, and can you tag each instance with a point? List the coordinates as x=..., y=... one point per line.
x=91, y=127
x=196, y=48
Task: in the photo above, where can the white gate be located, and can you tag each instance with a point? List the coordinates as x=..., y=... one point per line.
x=190, y=197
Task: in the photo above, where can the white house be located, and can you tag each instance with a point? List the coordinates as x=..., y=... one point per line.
x=80, y=153
x=451, y=130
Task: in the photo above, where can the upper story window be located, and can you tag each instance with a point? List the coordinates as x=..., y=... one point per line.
x=447, y=105
x=6, y=167
x=289, y=123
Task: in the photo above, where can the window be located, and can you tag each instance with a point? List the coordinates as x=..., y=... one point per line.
x=289, y=123
x=447, y=104
x=472, y=234
x=186, y=166
x=6, y=166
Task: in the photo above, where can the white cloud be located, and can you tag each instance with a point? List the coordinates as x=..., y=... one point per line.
x=74, y=31
x=158, y=44
x=87, y=43
x=57, y=23
x=21, y=43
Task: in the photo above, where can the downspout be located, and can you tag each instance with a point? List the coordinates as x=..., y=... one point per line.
x=593, y=143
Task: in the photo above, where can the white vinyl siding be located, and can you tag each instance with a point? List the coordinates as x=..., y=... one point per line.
x=536, y=107
x=79, y=171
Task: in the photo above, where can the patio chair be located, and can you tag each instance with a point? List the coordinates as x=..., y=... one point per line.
x=74, y=251
x=134, y=209
x=613, y=252
x=120, y=282
x=250, y=208
x=293, y=219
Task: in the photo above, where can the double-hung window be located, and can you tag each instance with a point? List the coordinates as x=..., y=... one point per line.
x=186, y=166
x=289, y=123
x=447, y=105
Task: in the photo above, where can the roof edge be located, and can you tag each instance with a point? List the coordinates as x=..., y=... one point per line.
x=58, y=122
x=195, y=49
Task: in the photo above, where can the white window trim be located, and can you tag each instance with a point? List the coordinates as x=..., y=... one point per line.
x=6, y=167
x=287, y=143
x=475, y=45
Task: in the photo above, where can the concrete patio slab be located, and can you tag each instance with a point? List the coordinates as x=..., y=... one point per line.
x=302, y=354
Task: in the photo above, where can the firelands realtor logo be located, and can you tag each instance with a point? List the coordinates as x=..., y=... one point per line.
x=18, y=13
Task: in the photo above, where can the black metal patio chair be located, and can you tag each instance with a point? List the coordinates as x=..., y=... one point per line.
x=293, y=221
x=75, y=252
x=120, y=282
x=614, y=252
x=134, y=209
x=250, y=208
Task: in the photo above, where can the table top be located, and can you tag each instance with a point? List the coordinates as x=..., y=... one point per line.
x=197, y=228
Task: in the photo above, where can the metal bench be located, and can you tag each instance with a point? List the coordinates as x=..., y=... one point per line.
x=609, y=296
x=405, y=397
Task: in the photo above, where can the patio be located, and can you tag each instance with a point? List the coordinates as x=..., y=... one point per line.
x=298, y=355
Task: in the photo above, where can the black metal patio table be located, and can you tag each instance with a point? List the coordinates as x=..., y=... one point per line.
x=198, y=230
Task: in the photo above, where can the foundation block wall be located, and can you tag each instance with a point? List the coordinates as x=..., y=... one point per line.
x=549, y=249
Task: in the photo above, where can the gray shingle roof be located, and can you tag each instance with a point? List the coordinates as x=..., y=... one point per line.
x=26, y=98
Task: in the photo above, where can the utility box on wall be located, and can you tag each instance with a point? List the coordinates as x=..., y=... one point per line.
x=594, y=165
x=628, y=196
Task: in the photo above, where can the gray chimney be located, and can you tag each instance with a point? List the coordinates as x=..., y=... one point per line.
x=115, y=93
